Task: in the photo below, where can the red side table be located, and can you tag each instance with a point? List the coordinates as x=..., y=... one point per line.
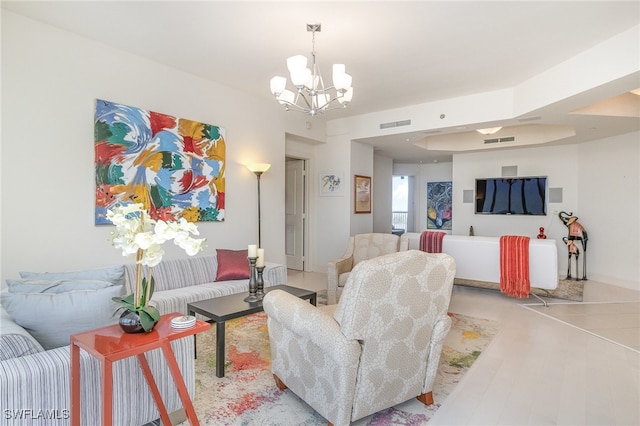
x=110, y=344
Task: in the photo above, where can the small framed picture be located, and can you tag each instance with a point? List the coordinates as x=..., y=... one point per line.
x=331, y=184
x=362, y=194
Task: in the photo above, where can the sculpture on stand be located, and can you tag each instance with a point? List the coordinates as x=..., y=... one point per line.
x=575, y=251
x=576, y=233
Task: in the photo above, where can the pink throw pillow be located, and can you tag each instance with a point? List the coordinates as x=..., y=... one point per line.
x=232, y=265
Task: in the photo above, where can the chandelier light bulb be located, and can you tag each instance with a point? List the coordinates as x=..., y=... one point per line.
x=300, y=77
x=286, y=97
x=342, y=82
x=296, y=63
x=278, y=85
x=346, y=97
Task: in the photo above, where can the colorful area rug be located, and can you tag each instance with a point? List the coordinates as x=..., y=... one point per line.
x=566, y=290
x=247, y=395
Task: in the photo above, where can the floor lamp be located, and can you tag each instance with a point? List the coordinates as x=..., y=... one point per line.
x=259, y=169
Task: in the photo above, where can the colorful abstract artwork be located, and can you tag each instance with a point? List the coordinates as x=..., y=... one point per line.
x=439, y=203
x=174, y=166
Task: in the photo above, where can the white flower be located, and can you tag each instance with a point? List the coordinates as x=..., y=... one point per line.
x=144, y=240
x=152, y=256
x=190, y=245
x=137, y=234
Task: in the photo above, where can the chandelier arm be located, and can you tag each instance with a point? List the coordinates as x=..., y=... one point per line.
x=301, y=94
x=295, y=107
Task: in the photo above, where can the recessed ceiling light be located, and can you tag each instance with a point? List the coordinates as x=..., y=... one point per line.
x=489, y=130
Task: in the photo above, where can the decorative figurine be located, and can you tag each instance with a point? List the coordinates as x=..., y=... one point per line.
x=576, y=232
x=575, y=251
x=541, y=235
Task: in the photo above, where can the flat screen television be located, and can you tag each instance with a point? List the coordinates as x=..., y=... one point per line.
x=512, y=195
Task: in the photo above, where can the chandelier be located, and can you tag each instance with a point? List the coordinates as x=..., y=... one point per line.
x=310, y=95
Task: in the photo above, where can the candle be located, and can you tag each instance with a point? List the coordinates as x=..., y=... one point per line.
x=260, y=261
x=252, y=250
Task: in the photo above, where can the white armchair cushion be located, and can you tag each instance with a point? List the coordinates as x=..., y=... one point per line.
x=359, y=247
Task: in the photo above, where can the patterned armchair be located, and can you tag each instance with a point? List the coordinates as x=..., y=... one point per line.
x=378, y=347
x=360, y=247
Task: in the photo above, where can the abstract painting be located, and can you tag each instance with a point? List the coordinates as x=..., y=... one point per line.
x=439, y=203
x=175, y=167
x=331, y=184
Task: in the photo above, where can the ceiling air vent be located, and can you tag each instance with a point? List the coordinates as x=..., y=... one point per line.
x=500, y=140
x=395, y=124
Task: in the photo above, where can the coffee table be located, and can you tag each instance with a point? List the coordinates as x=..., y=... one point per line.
x=222, y=309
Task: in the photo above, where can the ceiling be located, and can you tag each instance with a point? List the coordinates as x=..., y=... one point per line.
x=399, y=53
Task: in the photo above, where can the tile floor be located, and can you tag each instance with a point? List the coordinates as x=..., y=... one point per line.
x=537, y=370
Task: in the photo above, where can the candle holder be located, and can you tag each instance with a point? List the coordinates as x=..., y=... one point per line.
x=260, y=283
x=252, y=297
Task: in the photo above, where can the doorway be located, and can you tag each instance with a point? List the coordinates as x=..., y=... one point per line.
x=295, y=212
x=402, y=205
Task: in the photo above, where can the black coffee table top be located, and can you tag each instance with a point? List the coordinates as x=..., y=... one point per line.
x=224, y=308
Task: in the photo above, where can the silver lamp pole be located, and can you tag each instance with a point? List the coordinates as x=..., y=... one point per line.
x=259, y=169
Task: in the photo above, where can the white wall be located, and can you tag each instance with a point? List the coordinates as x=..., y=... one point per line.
x=609, y=208
x=332, y=215
x=361, y=164
x=383, y=193
x=50, y=80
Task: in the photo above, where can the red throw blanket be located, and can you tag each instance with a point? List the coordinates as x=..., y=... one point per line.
x=514, y=266
x=431, y=241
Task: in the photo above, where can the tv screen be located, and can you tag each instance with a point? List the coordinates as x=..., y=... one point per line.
x=512, y=195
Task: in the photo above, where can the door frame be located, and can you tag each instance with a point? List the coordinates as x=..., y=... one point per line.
x=306, y=258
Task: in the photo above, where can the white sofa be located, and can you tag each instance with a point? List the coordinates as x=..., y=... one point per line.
x=478, y=258
x=182, y=281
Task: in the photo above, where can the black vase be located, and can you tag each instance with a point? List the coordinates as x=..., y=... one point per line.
x=130, y=322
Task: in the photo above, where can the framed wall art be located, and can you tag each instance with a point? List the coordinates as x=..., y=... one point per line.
x=439, y=202
x=175, y=167
x=362, y=194
x=331, y=184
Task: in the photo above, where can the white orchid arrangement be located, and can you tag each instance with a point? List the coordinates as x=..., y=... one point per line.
x=138, y=234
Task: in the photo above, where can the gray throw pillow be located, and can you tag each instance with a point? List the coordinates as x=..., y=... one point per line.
x=113, y=274
x=52, y=317
x=57, y=286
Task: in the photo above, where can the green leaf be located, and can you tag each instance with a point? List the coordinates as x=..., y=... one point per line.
x=143, y=298
x=147, y=319
x=124, y=302
x=152, y=312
